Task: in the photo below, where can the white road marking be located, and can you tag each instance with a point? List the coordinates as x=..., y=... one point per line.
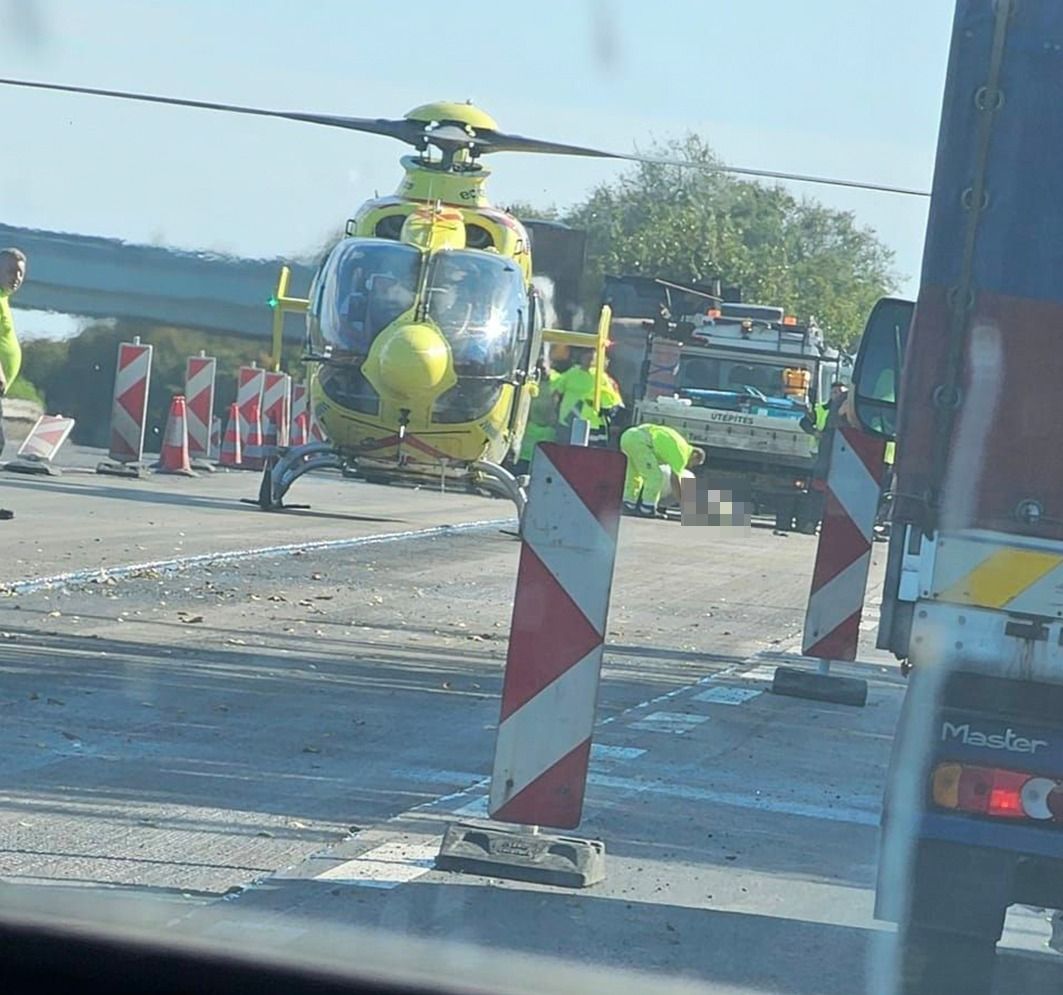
x=765, y=672
x=33, y=584
x=476, y=809
x=758, y=803
x=670, y=722
x=388, y=865
x=600, y=751
x=727, y=695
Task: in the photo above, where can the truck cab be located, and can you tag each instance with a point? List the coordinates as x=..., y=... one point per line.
x=738, y=380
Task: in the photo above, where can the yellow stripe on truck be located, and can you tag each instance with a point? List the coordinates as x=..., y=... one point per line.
x=1001, y=577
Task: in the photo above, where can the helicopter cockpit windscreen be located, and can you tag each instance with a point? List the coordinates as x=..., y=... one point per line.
x=361, y=288
x=480, y=305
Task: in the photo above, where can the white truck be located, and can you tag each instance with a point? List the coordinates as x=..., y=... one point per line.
x=736, y=380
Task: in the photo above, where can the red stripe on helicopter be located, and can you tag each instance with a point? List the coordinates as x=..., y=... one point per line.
x=410, y=440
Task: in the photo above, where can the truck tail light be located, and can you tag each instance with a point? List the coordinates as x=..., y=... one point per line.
x=999, y=794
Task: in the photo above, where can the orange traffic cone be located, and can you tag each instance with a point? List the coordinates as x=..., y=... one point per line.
x=174, y=455
x=300, y=433
x=231, y=453
x=253, y=452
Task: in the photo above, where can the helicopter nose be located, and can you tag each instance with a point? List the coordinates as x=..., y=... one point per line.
x=414, y=360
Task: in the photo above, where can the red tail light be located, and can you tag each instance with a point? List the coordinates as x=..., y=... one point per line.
x=1000, y=794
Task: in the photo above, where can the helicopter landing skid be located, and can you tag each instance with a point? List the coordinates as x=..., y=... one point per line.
x=280, y=474
x=498, y=480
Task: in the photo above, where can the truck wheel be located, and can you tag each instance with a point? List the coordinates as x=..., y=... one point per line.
x=946, y=940
x=933, y=961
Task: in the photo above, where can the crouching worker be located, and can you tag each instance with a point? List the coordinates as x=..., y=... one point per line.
x=648, y=448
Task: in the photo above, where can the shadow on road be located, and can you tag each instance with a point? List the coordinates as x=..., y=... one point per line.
x=738, y=951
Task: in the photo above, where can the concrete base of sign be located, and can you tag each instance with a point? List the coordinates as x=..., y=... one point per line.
x=34, y=466
x=112, y=468
x=202, y=466
x=521, y=854
x=820, y=686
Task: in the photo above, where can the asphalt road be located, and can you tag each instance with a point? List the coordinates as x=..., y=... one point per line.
x=260, y=749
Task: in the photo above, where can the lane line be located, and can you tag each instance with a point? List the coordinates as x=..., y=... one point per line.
x=32, y=585
x=669, y=722
x=599, y=751
x=388, y=865
x=727, y=695
x=758, y=803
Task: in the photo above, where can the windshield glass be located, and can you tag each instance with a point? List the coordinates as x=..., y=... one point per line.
x=480, y=305
x=362, y=287
x=388, y=677
x=742, y=376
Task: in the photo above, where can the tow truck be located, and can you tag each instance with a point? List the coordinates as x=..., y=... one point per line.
x=736, y=379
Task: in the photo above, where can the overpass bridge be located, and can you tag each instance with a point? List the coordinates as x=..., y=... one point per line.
x=95, y=277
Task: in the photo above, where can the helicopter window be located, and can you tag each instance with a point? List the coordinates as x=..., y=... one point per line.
x=390, y=227
x=478, y=237
x=478, y=302
x=366, y=285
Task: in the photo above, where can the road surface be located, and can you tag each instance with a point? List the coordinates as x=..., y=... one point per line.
x=260, y=747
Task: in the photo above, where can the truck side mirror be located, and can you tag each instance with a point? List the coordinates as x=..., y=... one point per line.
x=878, y=366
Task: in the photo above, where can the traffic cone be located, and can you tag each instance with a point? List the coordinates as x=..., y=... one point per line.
x=300, y=434
x=174, y=455
x=253, y=453
x=231, y=451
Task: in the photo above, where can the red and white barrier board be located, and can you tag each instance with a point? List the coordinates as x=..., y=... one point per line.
x=47, y=435
x=276, y=410
x=843, y=556
x=250, y=382
x=199, y=404
x=130, y=405
x=300, y=400
x=568, y=550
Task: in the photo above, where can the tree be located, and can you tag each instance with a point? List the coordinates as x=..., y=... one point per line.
x=699, y=224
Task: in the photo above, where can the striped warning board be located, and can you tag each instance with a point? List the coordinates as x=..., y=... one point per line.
x=199, y=404
x=564, y=580
x=250, y=382
x=130, y=405
x=276, y=410
x=843, y=556
x=47, y=435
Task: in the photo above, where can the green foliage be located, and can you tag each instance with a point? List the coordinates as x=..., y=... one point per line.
x=23, y=390
x=76, y=376
x=697, y=224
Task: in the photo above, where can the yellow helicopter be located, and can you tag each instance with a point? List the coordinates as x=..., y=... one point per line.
x=426, y=337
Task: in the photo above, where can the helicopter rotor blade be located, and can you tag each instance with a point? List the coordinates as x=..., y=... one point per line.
x=497, y=141
x=411, y=132
x=453, y=135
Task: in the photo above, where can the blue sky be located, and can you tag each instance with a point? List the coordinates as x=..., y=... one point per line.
x=822, y=86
